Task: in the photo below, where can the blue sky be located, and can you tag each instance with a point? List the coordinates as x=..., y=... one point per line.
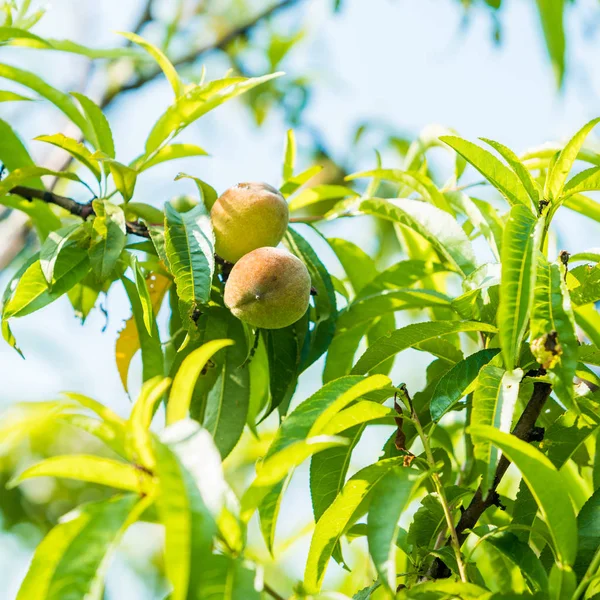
x=406, y=63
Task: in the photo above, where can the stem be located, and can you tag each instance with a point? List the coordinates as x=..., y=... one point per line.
x=589, y=575
x=269, y=590
x=439, y=488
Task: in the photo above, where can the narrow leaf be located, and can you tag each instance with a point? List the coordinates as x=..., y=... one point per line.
x=519, y=251
x=546, y=484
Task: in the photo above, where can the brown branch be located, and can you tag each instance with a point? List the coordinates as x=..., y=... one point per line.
x=523, y=430
x=269, y=590
x=72, y=206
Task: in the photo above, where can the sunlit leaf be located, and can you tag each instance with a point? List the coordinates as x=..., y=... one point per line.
x=61, y=100
x=390, y=498
x=189, y=243
x=93, y=469
x=74, y=556
x=139, y=438
x=185, y=379
x=457, y=381
x=197, y=102
x=546, y=484
x=170, y=152
x=102, y=138
x=519, y=251
x=76, y=149
x=494, y=403
x=108, y=239
x=434, y=225
x=560, y=171
x=410, y=336
x=163, y=62
x=496, y=172
x=338, y=516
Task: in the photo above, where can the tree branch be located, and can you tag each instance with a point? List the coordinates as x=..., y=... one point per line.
x=72, y=206
x=523, y=430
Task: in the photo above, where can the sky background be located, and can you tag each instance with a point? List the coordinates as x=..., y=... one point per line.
x=403, y=63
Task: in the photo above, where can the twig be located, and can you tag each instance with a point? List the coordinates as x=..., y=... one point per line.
x=72, y=206
x=439, y=488
x=523, y=431
x=269, y=590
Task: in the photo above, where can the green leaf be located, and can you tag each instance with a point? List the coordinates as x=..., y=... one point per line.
x=584, y=205
x=293, y=184
x=584, y=284
x=325, y=313
x=11, y=33
x=138, y=436
x=25, y=174
x=124, y=178
x=588, y=527
x=414, y=180
x=589, y=353
x=95, y=53
x=33, y=292
x=289, y=160
x=338, y=516
x=109, y=237
x=93, y=469
x=227, y=403
x=163, y=62
x=402, y=274
x=208, y=194
x=519, y=248
x=498, y=174
x=144, y=295
x=553, y=339
x=341, y=351
x=319, y=193
x=197, y=102
x=189, y=243
x=73, y=558
x=226, y=578
x=186, y=377
x=60, y=245
x=410, y=336
x=518, y=167
x=519, y=553
x=457, y=382
x=152, y=353
x=442, y=589
x=357, y=414
x=558, y=175
x=358, y=265
x=546, y=484
x=6, y=96
x=328, y=471
x=62, y=101
x=390, y=498
x=275, y=468
x=551, y=16
x=370, y=307
x=170, y=152
x=102, y=138
x=189, y=527
x=76, y=149
x=329, y=400
x=437, y=227
x=494, y=404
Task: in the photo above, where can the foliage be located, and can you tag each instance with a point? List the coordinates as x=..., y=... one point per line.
x=511, y=340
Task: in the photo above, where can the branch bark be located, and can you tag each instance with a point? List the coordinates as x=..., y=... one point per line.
x=72, y=206
x=523, y=430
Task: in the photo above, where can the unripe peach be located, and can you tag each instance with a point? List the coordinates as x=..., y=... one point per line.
x=268, y=288
x=248, y=216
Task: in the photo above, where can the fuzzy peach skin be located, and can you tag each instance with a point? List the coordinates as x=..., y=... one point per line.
x=268, y=288
x=248, y=216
